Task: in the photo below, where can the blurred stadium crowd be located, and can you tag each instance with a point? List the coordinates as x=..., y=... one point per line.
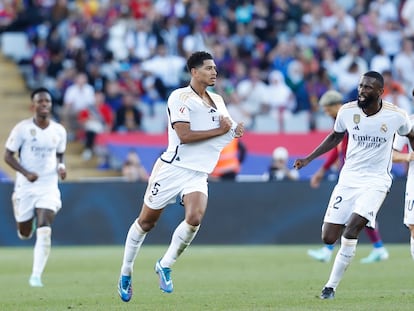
x=116, y=61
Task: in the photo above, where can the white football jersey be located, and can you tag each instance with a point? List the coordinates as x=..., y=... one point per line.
x=184, y=105
x=399, y=143
x=369, y=154
x=37, y=150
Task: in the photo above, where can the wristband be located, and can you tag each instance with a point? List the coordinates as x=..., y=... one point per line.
x=61, y=166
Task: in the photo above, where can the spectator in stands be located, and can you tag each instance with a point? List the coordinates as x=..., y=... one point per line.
x=380, y=62
x=195, y=40
x=348, y=81
x=280, y=100
x=407, y=13
x=95, y=42
x=230, y=160
x=153, y=90
x=251, y=92
x=278, y=169
x=59, y=12
x=316, y=85
x=295, y=79
x=390, y=38
x=95, y=119
x=169, y=68
x=40, y=61
x=96, y=78
x=399, y=98
x=78, y=96
x=391, y=83
x=128, y=117
x=7, y=14
x=139, y=40
x=403, y=64
x=281, y=56
x=127, y=82
x=132, y=168
x=113, y=94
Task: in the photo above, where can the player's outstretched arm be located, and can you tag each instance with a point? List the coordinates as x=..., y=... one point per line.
x=331, y=141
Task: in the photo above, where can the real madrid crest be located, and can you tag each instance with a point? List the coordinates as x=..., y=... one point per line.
x=384, y=128
x=357, y=118
x=33, y=132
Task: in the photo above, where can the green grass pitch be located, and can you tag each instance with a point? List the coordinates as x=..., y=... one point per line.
x=206, y=278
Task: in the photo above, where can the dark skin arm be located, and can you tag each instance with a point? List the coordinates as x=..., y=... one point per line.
x=187, y=135
x=11, y=160
x=411, y=138
x=331, y=141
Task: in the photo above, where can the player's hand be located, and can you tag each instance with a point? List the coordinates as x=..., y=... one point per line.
x=225, y=124
x=32, y=177
x=239, y=131
x=410, y=156
x=299, y=163
x=62, y=173
x=316, y=179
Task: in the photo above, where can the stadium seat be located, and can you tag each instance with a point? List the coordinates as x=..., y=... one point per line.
x=16, y=46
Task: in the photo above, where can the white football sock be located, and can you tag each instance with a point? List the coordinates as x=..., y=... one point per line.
x=134, y=240
x=41, y=250
x=342, y=260
x=182, y=237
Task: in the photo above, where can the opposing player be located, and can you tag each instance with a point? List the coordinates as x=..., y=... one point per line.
x=365, y=178
x=331, y=101
x=199, y=128
x=40, y=143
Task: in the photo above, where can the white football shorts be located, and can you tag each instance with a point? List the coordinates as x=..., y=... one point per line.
x=409, y=202
x=168, y=181
x=25, y=203
x=344, y=201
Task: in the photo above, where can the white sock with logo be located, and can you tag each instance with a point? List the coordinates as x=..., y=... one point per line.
x=342, y=260
x=133, y=242
x=41, y=250
x=181, y=239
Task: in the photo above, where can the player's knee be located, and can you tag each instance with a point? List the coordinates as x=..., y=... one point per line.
x=24, y=235
x=351, y=232
x=146, y=225
x=193, y=219
x=329, y=238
